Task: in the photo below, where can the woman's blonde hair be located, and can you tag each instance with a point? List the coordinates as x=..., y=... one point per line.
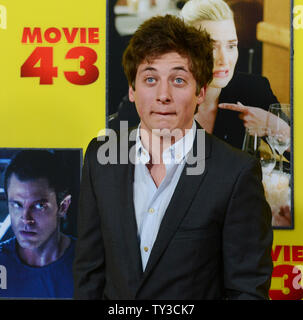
x=195, y=11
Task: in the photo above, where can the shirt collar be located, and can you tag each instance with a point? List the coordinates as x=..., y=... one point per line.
x=174, y=154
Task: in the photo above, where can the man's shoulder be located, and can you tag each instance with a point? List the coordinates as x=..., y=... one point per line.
x=111, y=136
x=113, y=146
x=228, y=155
x=227, y=164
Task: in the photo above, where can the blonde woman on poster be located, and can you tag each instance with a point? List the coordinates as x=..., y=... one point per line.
x=233, y=100
x=236, y=102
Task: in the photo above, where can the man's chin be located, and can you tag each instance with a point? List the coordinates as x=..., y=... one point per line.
x=27, y=243
x=163, y=129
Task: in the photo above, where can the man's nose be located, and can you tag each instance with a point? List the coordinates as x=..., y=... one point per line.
x=27, y=216
x=164, y=92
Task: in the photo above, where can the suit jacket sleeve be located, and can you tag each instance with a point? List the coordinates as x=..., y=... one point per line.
x=247, y=238
x=89, y=263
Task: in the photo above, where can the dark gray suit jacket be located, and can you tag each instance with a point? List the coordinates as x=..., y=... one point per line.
x=214, y=241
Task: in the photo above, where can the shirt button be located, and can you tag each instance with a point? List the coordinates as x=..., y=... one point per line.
x=151, y=210
x=145, y=249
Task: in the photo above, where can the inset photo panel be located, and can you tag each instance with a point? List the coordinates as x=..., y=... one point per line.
x=39, y=191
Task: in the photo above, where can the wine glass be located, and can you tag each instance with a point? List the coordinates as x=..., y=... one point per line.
x=255, y=144
x=278, y=129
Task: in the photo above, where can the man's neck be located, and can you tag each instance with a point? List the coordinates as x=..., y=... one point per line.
x=49, y=252
x=156, y=143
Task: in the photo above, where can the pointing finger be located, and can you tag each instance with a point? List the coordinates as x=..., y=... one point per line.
x=233, y=107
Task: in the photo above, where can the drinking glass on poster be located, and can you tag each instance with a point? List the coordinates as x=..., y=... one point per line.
x=278, y=124
x=276, y=183
x=255, y=144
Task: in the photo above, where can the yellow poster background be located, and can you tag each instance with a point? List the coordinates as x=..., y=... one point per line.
x=60, y=115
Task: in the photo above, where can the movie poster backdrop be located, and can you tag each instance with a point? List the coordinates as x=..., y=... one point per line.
x=61, y=82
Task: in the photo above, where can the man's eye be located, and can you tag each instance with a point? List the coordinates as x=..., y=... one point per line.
x=150, y=80
x=15, y=205
x=179, y=80
x=39, y=206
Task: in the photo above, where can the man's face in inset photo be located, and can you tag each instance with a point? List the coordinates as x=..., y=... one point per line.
x=33, y=210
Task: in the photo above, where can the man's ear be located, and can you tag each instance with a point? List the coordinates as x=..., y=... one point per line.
x=64, y=205
x=201, y=95
x=131, y=94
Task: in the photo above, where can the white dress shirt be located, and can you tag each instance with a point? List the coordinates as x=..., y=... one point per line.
x=151, y=202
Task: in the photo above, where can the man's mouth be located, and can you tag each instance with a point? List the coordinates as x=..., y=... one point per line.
x=26, y=233
x=160, y=113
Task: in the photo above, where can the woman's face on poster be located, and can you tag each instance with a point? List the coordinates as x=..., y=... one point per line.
x=225, y=42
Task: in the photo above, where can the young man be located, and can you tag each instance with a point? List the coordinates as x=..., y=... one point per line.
x=39, y=258
x=150, y=230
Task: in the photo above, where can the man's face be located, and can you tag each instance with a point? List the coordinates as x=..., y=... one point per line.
x=33, y=210
x=165, y=93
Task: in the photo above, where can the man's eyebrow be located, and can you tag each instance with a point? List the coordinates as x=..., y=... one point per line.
x=44, y=200
x=181, y=68
x=177, y=68
x=148, y=68
x=14, y=201
x=40, y=200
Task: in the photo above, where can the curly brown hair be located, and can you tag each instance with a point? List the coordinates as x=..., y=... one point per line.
x=163, y=34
